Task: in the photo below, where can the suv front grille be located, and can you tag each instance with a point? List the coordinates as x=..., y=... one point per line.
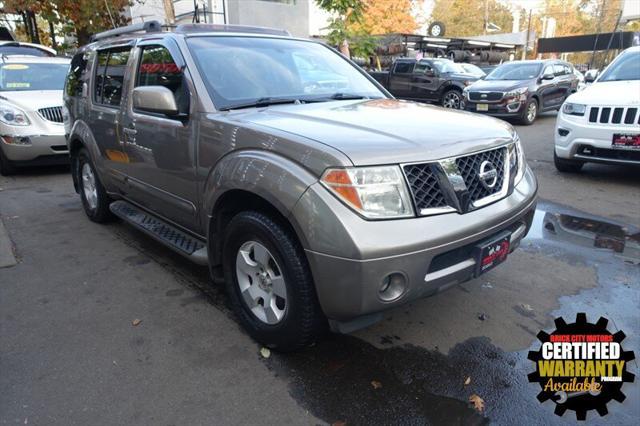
x=469, y=167
x=485, y=96
x=455, y=184
x=52, y=114
x=614, y=115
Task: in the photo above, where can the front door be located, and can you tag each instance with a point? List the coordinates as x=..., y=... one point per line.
x=162, y=161
x=425, y=82
x=400, y=79
x=548, y=90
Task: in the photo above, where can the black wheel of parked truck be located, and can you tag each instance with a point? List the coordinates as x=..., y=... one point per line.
x=269, y=283
x=93, y=195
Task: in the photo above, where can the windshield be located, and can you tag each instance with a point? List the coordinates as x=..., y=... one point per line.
x=241, y=70
x=515, y=71
x=444, y=66
x=32, y=76
x=625, y=67
x=472, y=69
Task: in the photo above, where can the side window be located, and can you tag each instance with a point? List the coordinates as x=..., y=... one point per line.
x=558, y=70
x=422, y=67
x=157, y=68
x=75, y=77
x=548, y=70
x=110, y=76
x=567, y=69
x=403, y=68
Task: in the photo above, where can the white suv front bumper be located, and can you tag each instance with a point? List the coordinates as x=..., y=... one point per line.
x=591, y=141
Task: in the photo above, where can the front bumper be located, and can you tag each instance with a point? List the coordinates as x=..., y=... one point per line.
x=578, y=139
x=510, y=108
x=350, y=257
x=38, y=148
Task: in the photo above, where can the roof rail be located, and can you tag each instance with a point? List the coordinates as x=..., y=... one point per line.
x=193, y=28
x=149, y=27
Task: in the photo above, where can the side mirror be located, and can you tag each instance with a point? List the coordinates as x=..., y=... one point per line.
x=156, y=99
x=590, y=77
x=548, y=76
x=429, y=73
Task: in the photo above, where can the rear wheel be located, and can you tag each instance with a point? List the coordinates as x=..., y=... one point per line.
x=6, y=168
x=269, y=283
x=566, y=166
x=94, y=197
x=452, y=99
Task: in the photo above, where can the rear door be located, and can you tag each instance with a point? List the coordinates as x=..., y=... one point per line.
x=425, y=82
x=548, y=89
x=400, y=79
x=160, y=148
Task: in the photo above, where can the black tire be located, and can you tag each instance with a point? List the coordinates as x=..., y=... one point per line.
x=99, y=213
x=567, y=166
x=303, y=321
x=525, y=117
x=6, y=168
x=436, y=29
x=448, y=99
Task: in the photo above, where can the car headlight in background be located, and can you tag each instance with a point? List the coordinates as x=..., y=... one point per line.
x=12, y=115
x=520, y=92
x=517, y=160
x=574, y=109
x=378, y=192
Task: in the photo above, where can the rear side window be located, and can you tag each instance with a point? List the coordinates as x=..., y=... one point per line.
x=404, y=68
x=157, y=68
x=75, y=77
x=110, y=76
x=558, y=69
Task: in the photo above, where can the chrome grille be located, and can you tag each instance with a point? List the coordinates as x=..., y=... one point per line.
x=425, y=187
x=614, y=115
x=485, y=96
x=52, y=114
x=469, y=167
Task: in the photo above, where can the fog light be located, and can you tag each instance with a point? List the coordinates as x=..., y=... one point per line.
x=16, y=140
x=393, y=286
x=513, y=107
x=563, y=132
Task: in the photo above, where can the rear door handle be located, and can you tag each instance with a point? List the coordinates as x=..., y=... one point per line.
x=129, y=131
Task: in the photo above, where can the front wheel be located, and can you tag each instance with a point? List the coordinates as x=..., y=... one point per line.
x=529, y=113
x=269, y=283
x=94, y=197
x=566, y=166
x=452, y=99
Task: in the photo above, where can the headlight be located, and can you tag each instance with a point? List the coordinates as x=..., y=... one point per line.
x=517, y=161
x=375, y=192
x=516, y=92
x=574, y=109
x=12, y=115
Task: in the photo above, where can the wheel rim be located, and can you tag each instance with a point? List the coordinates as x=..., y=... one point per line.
x=262, y=286
x=452, y=100
x=89, y=186
x=531, y=111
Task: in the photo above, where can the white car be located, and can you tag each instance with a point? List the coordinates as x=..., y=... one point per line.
x=601, y=123
x=31, y=119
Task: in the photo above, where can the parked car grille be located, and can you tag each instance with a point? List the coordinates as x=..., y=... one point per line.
x=614, y=115
x=425, y=187
x=490, y=96
x=469, y=167
x=430, y=185
x=52, y=114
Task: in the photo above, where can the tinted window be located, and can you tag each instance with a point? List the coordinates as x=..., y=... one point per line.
x=404, y=68
x=567, y=69
x=110, y=76
x=23, y=50
x=157, y=68
x=422, y=67
x=548, y=70
x=76, y=75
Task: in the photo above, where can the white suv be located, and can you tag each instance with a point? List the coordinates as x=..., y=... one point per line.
x=31, y=118
x=601, y=124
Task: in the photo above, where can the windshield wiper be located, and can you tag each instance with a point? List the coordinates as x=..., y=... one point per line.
x=262, y=102
x=346, y=96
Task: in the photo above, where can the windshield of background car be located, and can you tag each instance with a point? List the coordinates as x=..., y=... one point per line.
x=515, y=72
x=472, y=69
x=445, y=66
x=32, y=76
x=237, y=70
x=626, y=67
x=23, y=50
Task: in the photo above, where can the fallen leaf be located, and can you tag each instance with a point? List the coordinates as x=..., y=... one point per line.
x=526, y=307
x=376, y=384
x=136, y=322
x=478, y=403
x=265, y=352
x=482, y=317
x=467, y=381
x=339, y=423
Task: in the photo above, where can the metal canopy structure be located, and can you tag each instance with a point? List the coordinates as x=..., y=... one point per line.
x=587, y=43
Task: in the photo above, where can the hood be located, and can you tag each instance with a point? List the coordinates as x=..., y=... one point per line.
x=609, y=93
x=498, y=85
x=34, y=99
x=462, y=76
x=384, y=131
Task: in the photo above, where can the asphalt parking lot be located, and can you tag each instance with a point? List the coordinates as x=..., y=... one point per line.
x=71, y=354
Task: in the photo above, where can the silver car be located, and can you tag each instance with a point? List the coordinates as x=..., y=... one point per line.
x=317, y=208
x=31, y=116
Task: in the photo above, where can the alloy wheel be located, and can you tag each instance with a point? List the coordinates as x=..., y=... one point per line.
x=451, y=100
x=531, y=111
x=89, y=186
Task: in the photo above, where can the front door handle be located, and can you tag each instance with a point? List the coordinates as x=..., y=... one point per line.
x=129, y=131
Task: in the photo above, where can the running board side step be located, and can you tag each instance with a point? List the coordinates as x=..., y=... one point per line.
x=190, y=247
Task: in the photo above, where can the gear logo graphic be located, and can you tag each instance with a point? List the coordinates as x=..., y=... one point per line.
x=581, y=366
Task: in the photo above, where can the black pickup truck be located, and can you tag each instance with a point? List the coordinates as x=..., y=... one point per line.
x=431, y=79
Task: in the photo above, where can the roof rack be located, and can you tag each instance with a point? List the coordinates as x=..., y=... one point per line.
x=191, y=28
x=149, y=27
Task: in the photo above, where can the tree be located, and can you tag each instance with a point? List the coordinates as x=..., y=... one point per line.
x=346, y=13
x=387, y=16
x=466, y=17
